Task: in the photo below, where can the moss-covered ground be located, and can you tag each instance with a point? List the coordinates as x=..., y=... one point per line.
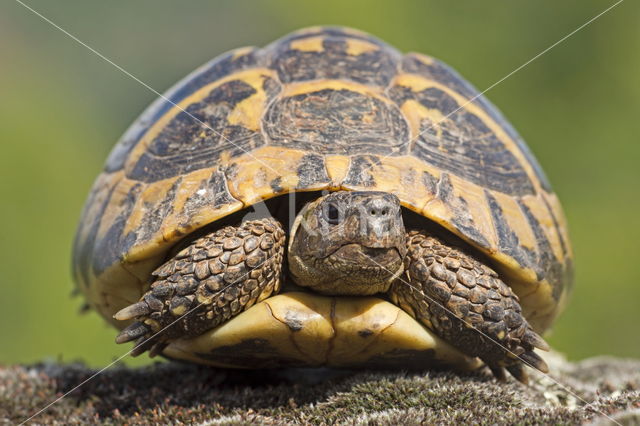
x=179, y=393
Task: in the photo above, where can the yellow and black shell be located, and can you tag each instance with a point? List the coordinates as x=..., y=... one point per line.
x=322, y=109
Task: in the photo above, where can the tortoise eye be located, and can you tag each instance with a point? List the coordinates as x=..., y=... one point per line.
x=332, y=214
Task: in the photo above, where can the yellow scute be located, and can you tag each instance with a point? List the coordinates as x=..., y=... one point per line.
x=310, y=44
x=357, y=47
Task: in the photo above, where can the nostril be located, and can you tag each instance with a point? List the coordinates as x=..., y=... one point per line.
x=380, y=212
x=380, y=209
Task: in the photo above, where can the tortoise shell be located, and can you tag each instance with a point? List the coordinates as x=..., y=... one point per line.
x=320, y=109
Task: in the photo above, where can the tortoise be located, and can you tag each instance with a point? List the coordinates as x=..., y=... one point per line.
x=326, y=201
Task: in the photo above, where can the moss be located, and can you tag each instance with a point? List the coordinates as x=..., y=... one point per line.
x=173, y=392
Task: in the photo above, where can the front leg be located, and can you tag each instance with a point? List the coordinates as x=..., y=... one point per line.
x=213, y=279
x=464, y=302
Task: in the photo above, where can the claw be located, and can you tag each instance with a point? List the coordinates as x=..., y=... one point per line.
x=133, y=311
x=157, y=349
x=141, y=346
x=139, y=332
x=532, y=359
x=535, y=340
x=133, y=332
x=498, y=372
x=519, y=372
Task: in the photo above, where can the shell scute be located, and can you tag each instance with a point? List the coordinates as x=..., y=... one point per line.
x=333, y=54
x=332, y=120
x=197, y=137
x=440, y=72
x=455, y=137
x=213, y=70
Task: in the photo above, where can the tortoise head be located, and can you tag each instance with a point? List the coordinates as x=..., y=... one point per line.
x=348, y=243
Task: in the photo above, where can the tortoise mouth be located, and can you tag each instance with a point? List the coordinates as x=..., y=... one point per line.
x=367, y=257
x=353, y=269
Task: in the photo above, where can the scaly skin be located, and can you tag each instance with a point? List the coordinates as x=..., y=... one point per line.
x=464, y=302
x=213, y=279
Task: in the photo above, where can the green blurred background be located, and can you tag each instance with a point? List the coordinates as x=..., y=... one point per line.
x=62, y=108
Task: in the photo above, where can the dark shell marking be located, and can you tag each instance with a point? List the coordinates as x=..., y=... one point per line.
x=157, y=212
x=337, y=122
x=361, y=171
x=112, y=246
x=508, y=240
x=333, y=61
x=259, y=353
x=212, y=192
x=444, y=74
x=312, y=171
x=546, y=265
x=83, y=248
x=462, y=141
x=185, y=144
x=213, y=70
x=462, y=219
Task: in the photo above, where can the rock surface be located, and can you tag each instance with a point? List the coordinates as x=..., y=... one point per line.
x=174, y=393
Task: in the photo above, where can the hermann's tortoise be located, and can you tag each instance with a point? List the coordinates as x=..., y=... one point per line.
x=327, y=201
